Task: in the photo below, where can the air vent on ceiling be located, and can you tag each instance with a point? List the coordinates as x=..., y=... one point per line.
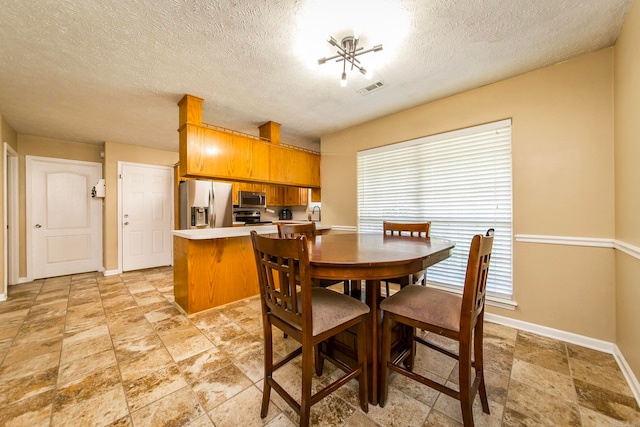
x=371, y=88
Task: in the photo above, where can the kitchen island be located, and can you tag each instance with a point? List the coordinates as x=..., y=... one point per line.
x=216, y=266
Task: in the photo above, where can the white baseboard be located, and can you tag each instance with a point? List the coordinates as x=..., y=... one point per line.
x=627, y=372
x=3, y=297
x=595, y=344
x=581, y=340
x=24, y=280
x=344, y=227
x=111, y=272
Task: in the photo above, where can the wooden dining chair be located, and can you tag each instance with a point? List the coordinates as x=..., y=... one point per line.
x=418, y=229
x=457, y=317
x=290, y=231
x=308, y=314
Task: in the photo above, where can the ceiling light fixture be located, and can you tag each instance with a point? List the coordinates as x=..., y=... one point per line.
x=347, y=52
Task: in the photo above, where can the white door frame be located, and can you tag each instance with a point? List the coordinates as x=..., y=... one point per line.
x=120, y=203
x=11, y=239
x=29, y=202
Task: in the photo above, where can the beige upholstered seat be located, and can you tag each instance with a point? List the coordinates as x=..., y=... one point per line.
x=459, y=318
x=310, y=315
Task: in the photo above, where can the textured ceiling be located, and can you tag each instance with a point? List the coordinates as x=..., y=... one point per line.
x=100, y=70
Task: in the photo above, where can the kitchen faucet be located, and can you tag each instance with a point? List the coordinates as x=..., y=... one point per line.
x=313, y=210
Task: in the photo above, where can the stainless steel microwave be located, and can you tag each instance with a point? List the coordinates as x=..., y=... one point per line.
x=252, y=199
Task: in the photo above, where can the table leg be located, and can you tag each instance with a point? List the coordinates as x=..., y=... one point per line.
x=373, y=341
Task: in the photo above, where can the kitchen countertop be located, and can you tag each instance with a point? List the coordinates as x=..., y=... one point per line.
x=224, y=232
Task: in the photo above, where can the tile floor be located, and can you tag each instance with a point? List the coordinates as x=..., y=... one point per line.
x=88, y=350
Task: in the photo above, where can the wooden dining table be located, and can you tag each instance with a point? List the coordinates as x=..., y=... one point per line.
x=372, y=257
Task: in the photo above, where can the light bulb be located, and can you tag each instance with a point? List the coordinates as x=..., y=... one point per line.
x=343, y=80
x=368, y=75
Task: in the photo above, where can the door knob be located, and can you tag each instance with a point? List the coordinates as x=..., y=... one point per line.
x=37, y=226
x=126, y=223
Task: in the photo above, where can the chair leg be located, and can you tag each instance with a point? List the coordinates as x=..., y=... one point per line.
x=409, y=362
x=319, y=360
x=479, y=363
x=362, y=361
x=385, y=353
x=346, y=287
x=307, y=369
x=465, y=380
x=268, y=367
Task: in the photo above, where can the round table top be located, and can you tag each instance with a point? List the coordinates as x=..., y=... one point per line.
x=367, y=250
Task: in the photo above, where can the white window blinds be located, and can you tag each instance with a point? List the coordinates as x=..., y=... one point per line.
x=460, y=181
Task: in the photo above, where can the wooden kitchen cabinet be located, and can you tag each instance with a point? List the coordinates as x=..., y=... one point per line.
x=296, y=196
x=275, y=195
x=210, y=153
x=294, y=167
x=316, y=195
x=282, y=195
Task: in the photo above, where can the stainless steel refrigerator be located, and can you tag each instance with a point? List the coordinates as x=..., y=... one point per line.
x=205, y=204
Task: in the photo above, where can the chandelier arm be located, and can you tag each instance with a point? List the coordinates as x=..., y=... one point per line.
x=331, y=58
x=365, y=51
x=352, y=54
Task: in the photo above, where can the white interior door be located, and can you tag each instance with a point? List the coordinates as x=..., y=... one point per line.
x=147, y=208
x=64, y=223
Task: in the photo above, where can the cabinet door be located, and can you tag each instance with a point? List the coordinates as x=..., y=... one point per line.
x=304, y=196
x=214, y=154
x=295, y=196
x=294, y=167
x=275, y=195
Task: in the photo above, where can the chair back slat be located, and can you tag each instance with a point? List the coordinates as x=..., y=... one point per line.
x=285, y=286
x=475, y=286
x=291, y=231
x=419, y=229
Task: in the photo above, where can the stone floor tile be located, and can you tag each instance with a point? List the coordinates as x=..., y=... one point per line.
x=530, y=406
x=33, y=411
x=153, y=386
x=243, y=409
x=179, y=408
x=617, y=406
x=220, y=386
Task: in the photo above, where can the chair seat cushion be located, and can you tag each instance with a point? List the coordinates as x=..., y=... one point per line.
x=426, y=305
x=331, y=309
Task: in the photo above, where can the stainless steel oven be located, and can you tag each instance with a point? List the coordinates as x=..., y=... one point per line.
x=252, y=199
x=249, y=217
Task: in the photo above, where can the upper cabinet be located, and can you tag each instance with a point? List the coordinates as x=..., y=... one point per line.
x=293, y=167
x=284, y=195
x=209, y=152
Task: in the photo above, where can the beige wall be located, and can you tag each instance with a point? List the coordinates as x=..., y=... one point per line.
x=114, y=153
x=8, y=135
x=627, y=176
x=563, y=182
x=46, y=147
